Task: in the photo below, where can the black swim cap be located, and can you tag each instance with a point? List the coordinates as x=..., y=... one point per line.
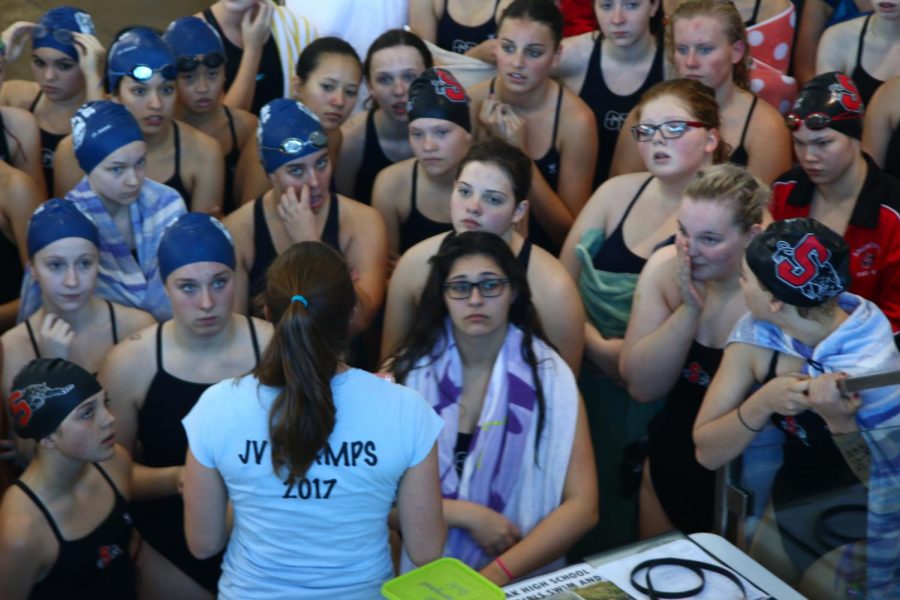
x=436, y=94
x=800, y=261
x=44, y=392
x=832, y=100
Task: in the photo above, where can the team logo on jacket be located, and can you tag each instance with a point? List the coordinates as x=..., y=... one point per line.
x=865, y=259
x=807, y=268
x=696, y=375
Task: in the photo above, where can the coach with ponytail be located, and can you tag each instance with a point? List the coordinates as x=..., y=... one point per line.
x=310, y=453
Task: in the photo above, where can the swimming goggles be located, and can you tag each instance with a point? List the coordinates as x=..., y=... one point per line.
x=62, y=36
x=212, y=60
x=670, y=130
x=144, y=73
x=816, y=121
x=292, y=146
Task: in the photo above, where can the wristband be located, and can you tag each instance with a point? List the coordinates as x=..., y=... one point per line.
x=503, y=568
x=744, y=423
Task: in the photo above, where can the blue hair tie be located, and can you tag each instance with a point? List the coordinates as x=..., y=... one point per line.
x=299, y=298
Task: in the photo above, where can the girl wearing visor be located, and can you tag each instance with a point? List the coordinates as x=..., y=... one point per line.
x=155, y=378
x=327, y=81
x=300, y=207
x=67, y=67
x=200, y=58
x=840, y=186
x=72, y=321
x=141, y=71
x=129, y=210
x=413, y=196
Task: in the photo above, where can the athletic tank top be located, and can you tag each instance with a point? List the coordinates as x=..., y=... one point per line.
x=548, y=165
x=112, y=323
x=739, y=156
x=269, y=77
x=97, y=565
x=264, y=249
x=462, y=38
x=609, y=108
x=614, y=255
x=418, y=227
x=231, y=161
x=11, y=271
x=49, y=142
x=161, y=522
x=175, y=181
x=685, y=489
x=865, y=82
x=4, y=147
x=373, y=161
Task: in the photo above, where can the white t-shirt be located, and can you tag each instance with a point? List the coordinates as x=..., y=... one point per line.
x=325, y=536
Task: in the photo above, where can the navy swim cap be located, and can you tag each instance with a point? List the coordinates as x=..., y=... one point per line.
x=800, y=261
x=193, y=238
x=139, y=53
x=44, y=392
x=436, y=94
x=57, y=219
x=287, y=130
x=829, y=100
x=55, y=28
x=192, y=36
x=99, y=128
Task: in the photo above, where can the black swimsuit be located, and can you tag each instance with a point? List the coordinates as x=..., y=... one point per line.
x=548, y=165
x=264, y=252
x=462, y=38
x=49, y=142
x=164, y=444
x=373, y=161
x=615, y=256
x=4, y=146
x=112, y=323
x=739, y=156
x=609, y=108
x=418, y=227
x=97, y=565
x=866, y=84
x=175, y=181
x=231, y=160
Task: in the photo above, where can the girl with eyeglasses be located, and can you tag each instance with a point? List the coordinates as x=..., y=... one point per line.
x=67, y=66
x=515, y=453
x=379, y=137
x=156, y=376
x=295, y=467
x=841, y=186
x=293, y=148
x=490, y=194
x=623, y=223
x=611, y=69
x=526, y=107
x=141, y=71
x=327, y=81
x=200, y=58
x=706, y=40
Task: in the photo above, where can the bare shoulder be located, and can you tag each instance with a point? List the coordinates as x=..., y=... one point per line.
x=264, y=331
x=244, y=124
x=356, y=213
x=766, y=116
x=20, y=93
x=548, y=275
x=17, y=117
x=412, y=268
x=657, y=273
x=354, y=129
x=16, y=186
x=240, y=222
x=576, y=51
x=23, y=528
x=17, y=352
x=131, y=320
x=578, y=114
x=195, y=140
x=135, y=349
x=391, y=183
x=478, y=92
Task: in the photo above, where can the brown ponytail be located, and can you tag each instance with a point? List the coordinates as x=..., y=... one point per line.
x=310, y=299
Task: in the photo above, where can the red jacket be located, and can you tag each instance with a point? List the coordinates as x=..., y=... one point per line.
x=873, y=233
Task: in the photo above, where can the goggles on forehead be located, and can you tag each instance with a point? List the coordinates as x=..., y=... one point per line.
x=144, y=73
x=62, y=36
x=212, y=60
x=670, y=130
x=816, y=121
x=291, y=146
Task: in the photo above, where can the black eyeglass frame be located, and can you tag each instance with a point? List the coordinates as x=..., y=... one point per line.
x=466, y=287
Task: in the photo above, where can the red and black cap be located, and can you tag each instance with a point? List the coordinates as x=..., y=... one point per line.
x=829, y=100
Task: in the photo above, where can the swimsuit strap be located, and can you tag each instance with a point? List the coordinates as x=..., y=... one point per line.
x=755, y=14
x=493, y=81
x=34, y=344
x=556, y=117
x=747, y=122
x=42, y=508
x=34, y=103
x=177, y=151
x=109, y=480
x=234, y=138
x=773, y=365
x=112, y=322
x=412, y=193
x=862, y=35
x=159, y=363
x=635, y=199
x=253, y=338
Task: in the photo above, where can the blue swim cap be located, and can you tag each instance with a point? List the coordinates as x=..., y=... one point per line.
x=57, y=219
x=192, y=36
x=287, y=130
x=55, y=28
x=139, y=53
x=193, y=238
x=99, y=128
